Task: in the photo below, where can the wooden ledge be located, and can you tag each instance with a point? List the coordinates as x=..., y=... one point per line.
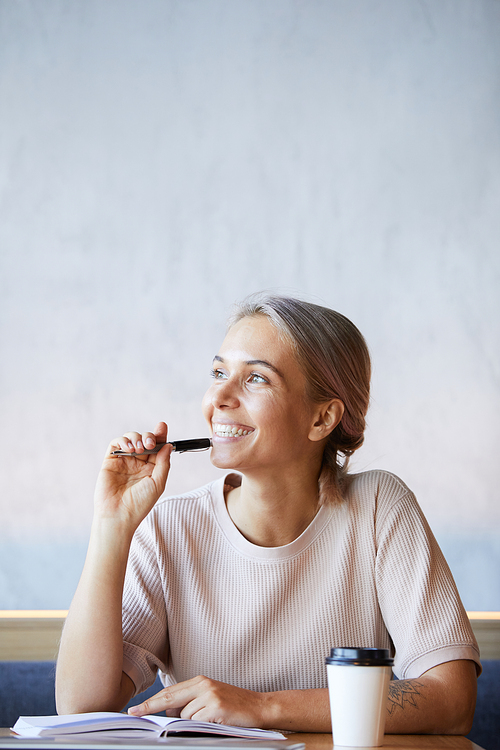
x=486, y=627
x=33, y=635
x=36, y=614
x=30, y=635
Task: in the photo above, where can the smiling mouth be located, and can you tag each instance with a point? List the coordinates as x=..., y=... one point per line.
x=230, y=430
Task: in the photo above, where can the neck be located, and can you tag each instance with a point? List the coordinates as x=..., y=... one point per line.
x=274, y=512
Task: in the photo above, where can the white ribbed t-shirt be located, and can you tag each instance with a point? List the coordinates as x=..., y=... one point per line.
x=200, y=598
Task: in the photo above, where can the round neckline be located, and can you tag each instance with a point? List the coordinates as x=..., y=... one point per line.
x=249, y=549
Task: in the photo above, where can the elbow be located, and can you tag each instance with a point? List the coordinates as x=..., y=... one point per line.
x=459, y=716
x=461, y=725
x=71, y=702
x=461, y=722
x=78, y=697
x=465, y=707
x=75, y=705
x=454, y=692
x=67, y=703
x=71, y=698
x=64, y=702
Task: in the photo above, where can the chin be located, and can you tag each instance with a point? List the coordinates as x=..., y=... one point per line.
x=222, y=463
x=223, y=459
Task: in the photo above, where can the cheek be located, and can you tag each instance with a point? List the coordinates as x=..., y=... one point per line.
x=276, y=418
x=206, y=406
x=294, y=419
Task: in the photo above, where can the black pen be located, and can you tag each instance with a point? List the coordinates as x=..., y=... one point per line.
x=180, y=446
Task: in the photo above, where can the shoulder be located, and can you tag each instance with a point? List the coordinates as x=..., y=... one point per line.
x=376, y=484
x=379, y=493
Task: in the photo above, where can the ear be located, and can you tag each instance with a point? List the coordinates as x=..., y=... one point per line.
x=327, y=418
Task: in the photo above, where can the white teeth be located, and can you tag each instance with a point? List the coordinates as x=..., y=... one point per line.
x=227, y=430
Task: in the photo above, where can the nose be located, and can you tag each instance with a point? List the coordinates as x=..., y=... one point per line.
x=224, y=394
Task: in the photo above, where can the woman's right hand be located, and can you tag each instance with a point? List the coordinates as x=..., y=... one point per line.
x=128, y=487
x=90, y=665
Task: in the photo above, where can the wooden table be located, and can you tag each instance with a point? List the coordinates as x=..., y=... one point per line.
x=392, y=741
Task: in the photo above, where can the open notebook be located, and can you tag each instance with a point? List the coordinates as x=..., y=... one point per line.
x=121, y=731
x=120, y=725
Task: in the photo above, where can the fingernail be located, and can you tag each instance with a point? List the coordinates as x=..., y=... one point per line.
x=139, y=445
x=131, y=446
x=150, y=442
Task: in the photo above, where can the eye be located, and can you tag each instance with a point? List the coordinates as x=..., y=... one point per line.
x=256, y=378
x=217, y=374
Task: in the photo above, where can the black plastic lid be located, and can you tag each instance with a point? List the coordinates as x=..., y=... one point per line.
x=360, y=657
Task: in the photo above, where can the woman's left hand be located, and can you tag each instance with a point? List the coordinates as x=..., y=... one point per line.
x=441, y=701
x=203, y=699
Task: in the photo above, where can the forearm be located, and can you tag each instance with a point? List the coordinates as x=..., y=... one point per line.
x=441, y=701
x=205, y=699
x=89, y=667
x=297, y=710
x=411, y=709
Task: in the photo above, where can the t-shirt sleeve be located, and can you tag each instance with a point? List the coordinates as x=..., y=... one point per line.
x=418, y=597
x=144, y=620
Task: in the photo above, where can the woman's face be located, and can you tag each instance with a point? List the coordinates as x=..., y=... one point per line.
x=257, y=406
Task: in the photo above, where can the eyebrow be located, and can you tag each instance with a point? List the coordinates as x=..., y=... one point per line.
x=261, y=362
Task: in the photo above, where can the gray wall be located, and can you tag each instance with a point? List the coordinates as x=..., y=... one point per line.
x=161, y=159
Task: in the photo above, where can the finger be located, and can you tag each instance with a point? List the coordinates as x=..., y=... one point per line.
x=134, y=442
x=175, y=696
x=121, y=443
x=136, y=439
x=173, y=712
x=161, y=469
x=162, y=701
x=149, y=440
x=161, y=431
x=196, y=709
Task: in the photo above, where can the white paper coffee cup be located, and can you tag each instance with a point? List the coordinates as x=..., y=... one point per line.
x=358, y=683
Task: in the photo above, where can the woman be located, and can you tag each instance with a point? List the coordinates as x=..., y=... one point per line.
x=237, y=591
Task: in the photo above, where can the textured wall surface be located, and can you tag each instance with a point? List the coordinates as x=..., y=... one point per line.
x=161, y=159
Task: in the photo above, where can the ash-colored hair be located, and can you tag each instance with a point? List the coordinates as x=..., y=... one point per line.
x=335, y=360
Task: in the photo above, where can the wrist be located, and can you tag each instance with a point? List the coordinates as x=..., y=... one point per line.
x=271, y=712
x=111, y=535
x=117, y=517
x=296, y=710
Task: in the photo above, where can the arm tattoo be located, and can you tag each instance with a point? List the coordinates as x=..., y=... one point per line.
x=402, y=692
